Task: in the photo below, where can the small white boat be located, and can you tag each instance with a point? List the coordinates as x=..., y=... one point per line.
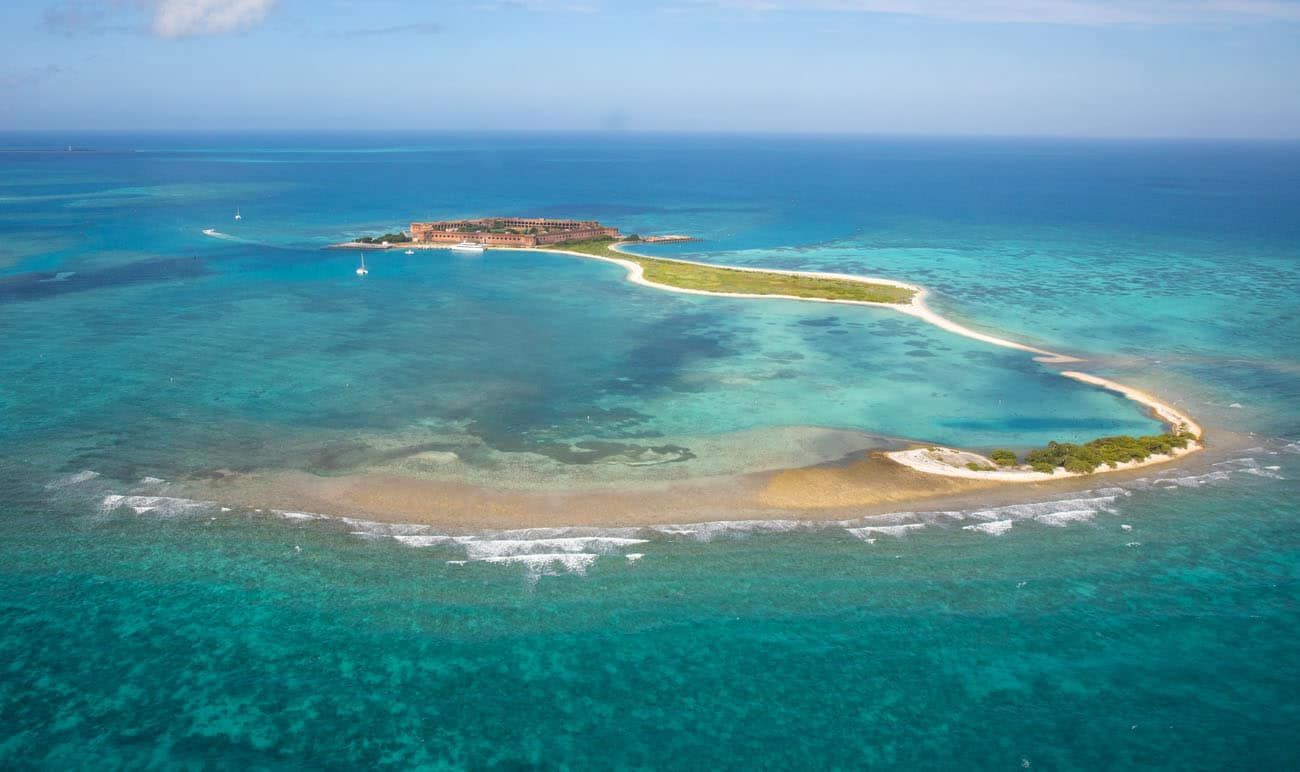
x=238, y=216
x=410, y=251
x=468, y=247
x=362, y=271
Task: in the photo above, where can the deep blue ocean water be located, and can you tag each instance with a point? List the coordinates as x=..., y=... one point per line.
x=1144, y=624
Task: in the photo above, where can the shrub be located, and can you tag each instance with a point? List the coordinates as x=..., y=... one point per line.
x=1003, y=457
x=1111, y=451
x=391, y=238
x=1079, y=465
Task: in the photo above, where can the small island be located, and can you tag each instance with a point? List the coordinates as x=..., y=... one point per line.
x=591, y=239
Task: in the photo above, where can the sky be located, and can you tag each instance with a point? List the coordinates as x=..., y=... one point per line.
x=1088, y=68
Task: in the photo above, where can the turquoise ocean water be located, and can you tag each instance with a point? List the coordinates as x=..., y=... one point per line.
x=1136, y=624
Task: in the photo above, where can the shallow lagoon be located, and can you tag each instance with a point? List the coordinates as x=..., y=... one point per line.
x=249, y=355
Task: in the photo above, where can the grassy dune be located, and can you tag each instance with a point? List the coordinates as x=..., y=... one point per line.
x=729, y=280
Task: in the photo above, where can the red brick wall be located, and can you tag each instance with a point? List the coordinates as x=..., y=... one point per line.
x=564, y=230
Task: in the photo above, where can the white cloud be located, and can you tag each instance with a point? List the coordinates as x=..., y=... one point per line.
x=165, y=18
x=185, y=18
x=1087, y=12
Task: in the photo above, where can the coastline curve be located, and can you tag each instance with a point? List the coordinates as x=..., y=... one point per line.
x=921, y=459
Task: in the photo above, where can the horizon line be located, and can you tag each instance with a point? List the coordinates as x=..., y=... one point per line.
x=756, y=133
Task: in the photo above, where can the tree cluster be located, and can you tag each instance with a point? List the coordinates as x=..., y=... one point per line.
x=1111, y=451
x=391, y=238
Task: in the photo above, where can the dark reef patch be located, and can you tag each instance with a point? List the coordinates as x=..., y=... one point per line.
x=38, y=285
x=822, y=321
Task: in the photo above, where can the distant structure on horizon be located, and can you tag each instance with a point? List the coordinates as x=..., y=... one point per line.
x=510, y=231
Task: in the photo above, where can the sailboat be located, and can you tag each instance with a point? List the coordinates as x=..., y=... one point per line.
x=238, y=216
x=362, y=271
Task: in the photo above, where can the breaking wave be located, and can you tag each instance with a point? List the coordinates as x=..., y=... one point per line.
x=157, y=505
x=71, y=479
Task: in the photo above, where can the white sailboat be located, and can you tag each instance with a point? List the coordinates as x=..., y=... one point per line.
x=362, y=271
x=238, y=216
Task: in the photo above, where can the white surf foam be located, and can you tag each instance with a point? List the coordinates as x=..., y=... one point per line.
x=1238, y=463
x=1265, y=471
x=71, y=479
x=885, y=530
x=1102, y=500
x=719, y=528
x=559, y=532
x=1065, y=517
x=303, y=516
x=158, y=505
x=994, y=528
x=477, y=548
x=371, y=529
x=1192, y=480
x=418, y=540
x=995, y=521
x=543, y=564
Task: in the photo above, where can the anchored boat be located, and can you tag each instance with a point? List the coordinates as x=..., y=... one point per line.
x=468, y=247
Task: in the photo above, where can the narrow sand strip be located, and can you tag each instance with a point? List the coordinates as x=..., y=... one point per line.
x=1175, y=418
x=916, y=308
x=924, y=459
x=949, y=462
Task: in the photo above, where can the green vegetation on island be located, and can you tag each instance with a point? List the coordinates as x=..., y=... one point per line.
x=1003, y=457
x=694, y=276
x=391, y=238
x=1085, y=458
